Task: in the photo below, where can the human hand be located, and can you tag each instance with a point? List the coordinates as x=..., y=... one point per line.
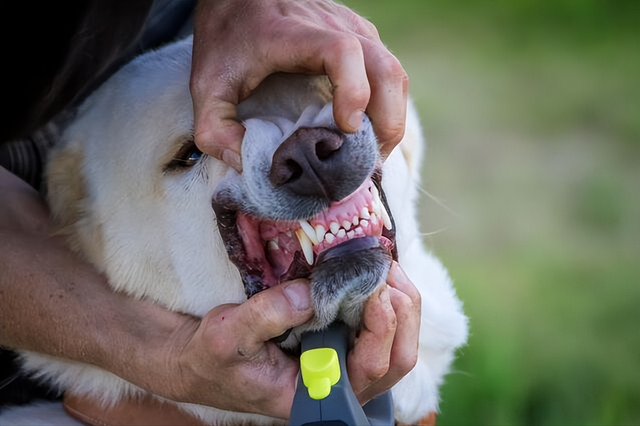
x=387, y=347
x=229, y=362
x=239, y=43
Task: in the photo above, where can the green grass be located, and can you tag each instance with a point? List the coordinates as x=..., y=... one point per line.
x=532, y=114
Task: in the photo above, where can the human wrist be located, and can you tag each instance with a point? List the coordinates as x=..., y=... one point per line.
x=149, y=348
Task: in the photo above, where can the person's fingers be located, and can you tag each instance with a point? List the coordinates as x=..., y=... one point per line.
x=217, y=132
x=271, y=313
x=370, y=357
x=389, y=90
x=385, y=365
x=345, y=67
x=398, y=279
x=405, y=300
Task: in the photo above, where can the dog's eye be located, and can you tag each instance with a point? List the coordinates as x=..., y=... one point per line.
x=193, y=156
x=187, y=156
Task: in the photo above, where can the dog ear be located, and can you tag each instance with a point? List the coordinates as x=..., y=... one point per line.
x=413, y=143
x=66, y=192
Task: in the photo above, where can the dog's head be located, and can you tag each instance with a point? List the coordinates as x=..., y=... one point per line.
x=163, y=220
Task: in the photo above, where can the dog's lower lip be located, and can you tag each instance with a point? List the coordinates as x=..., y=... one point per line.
x=348, y=247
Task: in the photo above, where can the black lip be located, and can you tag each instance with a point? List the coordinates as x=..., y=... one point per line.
x=348, y=247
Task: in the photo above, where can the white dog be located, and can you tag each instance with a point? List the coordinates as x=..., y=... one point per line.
x=164, y=222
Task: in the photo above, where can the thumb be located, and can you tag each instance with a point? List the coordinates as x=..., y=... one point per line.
x=275, y=310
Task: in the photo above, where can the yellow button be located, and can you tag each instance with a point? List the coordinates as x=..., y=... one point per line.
x=320, y=370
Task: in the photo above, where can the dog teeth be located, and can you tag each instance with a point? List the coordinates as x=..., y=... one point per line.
x=273, y=244
x=379, y=208
x=310, y=236
x=334, y=227
x=308, y=229
x=306, y=245
x=320, y=231
x=386, y=220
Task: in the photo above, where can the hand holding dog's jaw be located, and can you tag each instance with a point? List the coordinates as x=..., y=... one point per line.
x=387, y=347
x=229, y=362
x=314, y=38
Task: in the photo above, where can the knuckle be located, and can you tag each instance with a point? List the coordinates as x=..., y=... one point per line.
x=405, y=362
x=389, y=68
x=376, y=369
x=345, y=43
x=369, y=30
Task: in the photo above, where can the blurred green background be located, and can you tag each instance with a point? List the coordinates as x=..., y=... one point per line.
x=532, y=114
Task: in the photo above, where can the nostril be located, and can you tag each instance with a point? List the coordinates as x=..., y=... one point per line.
x=325, y=148
x=285, y=171
x=294, y=171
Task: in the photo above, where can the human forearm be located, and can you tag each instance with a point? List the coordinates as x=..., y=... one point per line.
x=55, y=303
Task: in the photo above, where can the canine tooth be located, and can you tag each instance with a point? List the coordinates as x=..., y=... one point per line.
x=305, y=244
x=346, y=225
x=380, y=208
x=364, y=214
x=386, y=219
x=320, y=231
x=308, y=229
x=341, y=233
x=329, y=237
x=375, y=197
x=334, y=227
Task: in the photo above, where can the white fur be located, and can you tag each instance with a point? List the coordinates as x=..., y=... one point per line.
x=121, y=138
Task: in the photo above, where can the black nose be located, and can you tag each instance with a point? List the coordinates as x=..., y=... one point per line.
x=309, y=163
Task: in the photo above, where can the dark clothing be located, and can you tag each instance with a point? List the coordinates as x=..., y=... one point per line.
x=55, y=54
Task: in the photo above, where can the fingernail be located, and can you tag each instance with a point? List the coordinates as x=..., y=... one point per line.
x=298, y=295
x=232, y=159
x=355, y=120
x=397, y=274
